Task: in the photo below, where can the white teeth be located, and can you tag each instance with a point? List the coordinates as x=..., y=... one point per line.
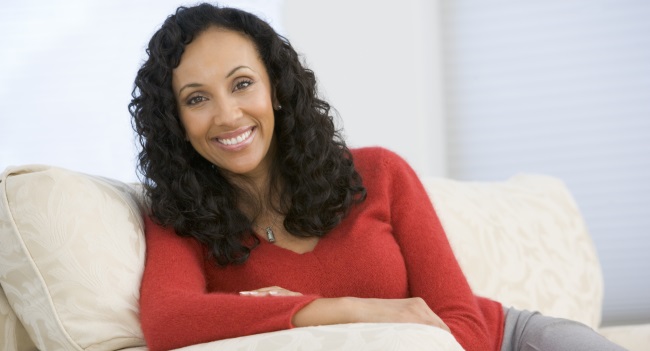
x=236, y=140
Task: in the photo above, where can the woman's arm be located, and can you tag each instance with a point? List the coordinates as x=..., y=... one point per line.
x=363, y=310
x=325, y=311
x=176, y=310
x=433, y=271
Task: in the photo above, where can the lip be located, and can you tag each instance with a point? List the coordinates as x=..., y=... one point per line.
x=233, y=134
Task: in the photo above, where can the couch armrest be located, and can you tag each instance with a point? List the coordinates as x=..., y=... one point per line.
x=632, y=337
x=13, y=336
x=353, y=337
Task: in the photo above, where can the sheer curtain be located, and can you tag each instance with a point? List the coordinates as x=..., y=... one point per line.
x=562, y=88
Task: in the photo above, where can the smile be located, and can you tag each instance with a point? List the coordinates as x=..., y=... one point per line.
x=241, y=138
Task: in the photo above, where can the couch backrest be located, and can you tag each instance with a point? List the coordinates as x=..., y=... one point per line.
x=72, y=253
x=524, y=243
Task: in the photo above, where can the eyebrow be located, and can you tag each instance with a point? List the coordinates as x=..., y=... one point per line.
x=236, y=69
x=196, y=85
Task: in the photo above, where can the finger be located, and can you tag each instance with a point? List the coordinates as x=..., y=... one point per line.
x=259, y=292
x=269, y=288
x=279, y=292
x=283, y=292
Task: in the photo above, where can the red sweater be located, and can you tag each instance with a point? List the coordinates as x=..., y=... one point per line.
x=390, y=246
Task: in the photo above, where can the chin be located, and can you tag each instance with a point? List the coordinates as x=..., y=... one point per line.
x=242, y=169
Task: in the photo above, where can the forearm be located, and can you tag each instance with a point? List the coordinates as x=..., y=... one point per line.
x=324, y=311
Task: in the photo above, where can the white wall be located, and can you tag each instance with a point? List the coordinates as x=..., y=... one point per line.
x=66, y=73
x=377, y=64
x=67, y=69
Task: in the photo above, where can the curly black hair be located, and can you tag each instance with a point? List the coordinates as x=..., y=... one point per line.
x=188, y=193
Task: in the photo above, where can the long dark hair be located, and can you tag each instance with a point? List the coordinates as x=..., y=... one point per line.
x=188, y=193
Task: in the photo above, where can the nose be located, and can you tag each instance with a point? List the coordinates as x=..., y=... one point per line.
x=226, y=112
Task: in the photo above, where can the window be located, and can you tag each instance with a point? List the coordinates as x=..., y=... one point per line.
x=561, y=88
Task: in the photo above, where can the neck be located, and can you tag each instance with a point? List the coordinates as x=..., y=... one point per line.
x=256, y=183
x=257, y=198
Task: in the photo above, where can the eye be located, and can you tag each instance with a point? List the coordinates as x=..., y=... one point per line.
x=195, y=100
x=242, y=84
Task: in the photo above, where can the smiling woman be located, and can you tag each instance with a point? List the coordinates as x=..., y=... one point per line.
x=217, y=159
x=244, y=171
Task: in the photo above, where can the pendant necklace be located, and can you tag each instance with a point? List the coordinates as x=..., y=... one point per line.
x=270, y=236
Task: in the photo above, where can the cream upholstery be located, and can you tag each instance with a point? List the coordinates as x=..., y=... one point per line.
x=524, y=243
x=71, y=258
x=14, y=335
x=365, y=337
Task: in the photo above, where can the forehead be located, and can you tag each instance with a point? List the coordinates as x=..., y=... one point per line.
x=215, y=51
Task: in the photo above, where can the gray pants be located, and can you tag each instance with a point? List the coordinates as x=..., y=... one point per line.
x=531, y=331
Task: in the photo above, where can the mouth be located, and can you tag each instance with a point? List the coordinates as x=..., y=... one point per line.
x=237, y=139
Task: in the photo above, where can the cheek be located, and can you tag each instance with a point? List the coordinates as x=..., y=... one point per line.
x=193, y=124
x=261, y=101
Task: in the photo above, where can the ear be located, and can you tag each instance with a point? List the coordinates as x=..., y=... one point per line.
x=274, y=101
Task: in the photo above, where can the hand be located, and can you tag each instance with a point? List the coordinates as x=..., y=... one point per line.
x=270, y=291
x=411, y=310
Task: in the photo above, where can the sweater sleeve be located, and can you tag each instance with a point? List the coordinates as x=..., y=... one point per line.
x=433, y=272
x=176, y=310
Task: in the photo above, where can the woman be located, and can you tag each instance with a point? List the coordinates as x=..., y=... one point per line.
x=260, y=220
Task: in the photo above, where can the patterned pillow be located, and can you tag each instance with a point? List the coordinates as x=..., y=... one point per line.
x=12, y=333
x=523, y=242
x=71, y=257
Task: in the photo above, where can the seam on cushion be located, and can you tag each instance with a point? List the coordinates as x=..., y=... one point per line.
x=130, y=340
x=38, y=274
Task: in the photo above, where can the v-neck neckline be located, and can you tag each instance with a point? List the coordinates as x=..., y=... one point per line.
x=306, y=253
x=321, y=240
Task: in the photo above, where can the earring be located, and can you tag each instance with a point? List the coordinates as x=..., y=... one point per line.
x=278, y=107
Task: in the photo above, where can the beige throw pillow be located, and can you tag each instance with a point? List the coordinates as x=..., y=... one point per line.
x=71, y=257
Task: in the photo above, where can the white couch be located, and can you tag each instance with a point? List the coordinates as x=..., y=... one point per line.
x=72, y=250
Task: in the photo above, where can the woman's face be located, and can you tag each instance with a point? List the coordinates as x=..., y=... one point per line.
x=225, y=102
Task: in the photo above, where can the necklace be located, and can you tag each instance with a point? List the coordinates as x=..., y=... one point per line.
x=270, y=236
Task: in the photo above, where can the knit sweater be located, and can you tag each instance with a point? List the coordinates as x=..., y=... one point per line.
x=391, y=246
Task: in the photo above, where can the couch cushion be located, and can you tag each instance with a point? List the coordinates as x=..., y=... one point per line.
x=523, y=242
x=633, y=337
x=71, y=257
x=342, y=337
